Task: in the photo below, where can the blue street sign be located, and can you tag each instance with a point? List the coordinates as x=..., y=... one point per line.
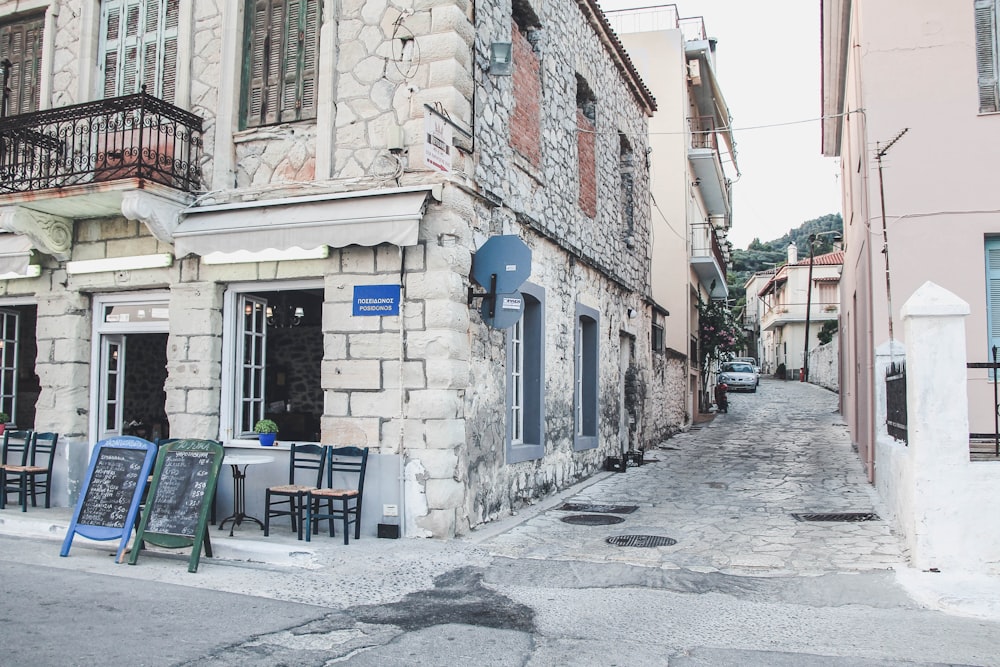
x=380, y=300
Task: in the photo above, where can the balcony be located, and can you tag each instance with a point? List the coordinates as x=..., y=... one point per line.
x=708, y=261
x=706, y=162
x=75, y=161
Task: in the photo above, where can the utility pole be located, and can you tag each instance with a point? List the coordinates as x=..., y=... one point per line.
x=879, y=154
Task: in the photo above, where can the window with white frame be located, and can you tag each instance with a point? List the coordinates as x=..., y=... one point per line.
x=526, y=379
x=986, y=54
x=274, y=338
x=139, y=47
x=586, y=391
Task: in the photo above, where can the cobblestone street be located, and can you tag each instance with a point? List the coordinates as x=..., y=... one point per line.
x=727, y=491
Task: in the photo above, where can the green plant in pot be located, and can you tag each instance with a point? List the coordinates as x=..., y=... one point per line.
x=4, y=418
x=267, y=431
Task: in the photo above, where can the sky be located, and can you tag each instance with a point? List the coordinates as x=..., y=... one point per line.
x=768, y=64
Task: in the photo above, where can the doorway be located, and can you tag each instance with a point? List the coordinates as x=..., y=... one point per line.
x=130, y=369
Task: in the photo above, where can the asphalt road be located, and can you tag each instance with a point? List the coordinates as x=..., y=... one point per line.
x=503, y=612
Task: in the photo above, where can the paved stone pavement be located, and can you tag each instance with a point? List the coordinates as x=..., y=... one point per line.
x=726, y=492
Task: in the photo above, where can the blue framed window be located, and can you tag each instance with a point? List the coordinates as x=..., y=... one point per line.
x=992, y=296
x=586, y=404
x=526, y=379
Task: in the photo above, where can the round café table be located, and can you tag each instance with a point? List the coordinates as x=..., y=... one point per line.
x=239, y=514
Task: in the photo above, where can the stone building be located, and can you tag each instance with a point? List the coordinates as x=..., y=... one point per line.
x=206, y=205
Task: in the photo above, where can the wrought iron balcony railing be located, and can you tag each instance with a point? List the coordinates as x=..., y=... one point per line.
x=133, y=136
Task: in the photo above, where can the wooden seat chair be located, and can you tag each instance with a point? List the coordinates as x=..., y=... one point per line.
x=36, y=474
x=16, y=445
x=305, y=464
x=341, y=499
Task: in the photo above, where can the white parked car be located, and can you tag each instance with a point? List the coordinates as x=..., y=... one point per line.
x=739, y=376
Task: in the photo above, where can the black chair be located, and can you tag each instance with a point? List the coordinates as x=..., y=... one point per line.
x=36, y=472
x=287, y=499
x=16, y=445
x=345, y=467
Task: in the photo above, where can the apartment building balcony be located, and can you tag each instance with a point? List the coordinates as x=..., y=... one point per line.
x=784, y=314
x=77, y=161
x=706, y=163
x=708, y=260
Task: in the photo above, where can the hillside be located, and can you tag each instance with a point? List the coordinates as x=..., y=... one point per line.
x=765, y=255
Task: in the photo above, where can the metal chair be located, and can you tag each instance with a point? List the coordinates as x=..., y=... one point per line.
x=287, y=499
x=36, y=473
x=345, y=466
x=16, y=445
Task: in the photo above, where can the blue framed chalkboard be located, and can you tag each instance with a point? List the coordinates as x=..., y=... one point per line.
x=112, y=491
x=180, y=498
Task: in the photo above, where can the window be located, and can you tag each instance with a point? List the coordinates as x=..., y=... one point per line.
x=526, y=379
x=280, y=71
x=586, y=377
x=626, y=171
x=525, y=122
x=9, y=357
x=274, y=343
x=986, y=54
x=657, y=337
x=993, y=295
x=586, y=144
x=21, y=44
x=139, y=47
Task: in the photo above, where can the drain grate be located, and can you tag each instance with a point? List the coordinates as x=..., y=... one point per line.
x=837, y=516
x=592, y=519
x=600, y=509
x=641, y=541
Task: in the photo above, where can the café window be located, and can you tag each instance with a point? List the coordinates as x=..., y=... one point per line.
x=275, y=351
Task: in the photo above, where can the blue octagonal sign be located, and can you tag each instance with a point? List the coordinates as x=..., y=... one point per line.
x=506, y=256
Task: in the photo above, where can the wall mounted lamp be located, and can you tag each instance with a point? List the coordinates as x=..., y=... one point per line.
x=157, y=261
x=633, y=313
x=501, y=58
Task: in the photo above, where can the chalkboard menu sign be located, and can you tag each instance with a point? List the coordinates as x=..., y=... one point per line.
x=180, y=498
x=112, y=491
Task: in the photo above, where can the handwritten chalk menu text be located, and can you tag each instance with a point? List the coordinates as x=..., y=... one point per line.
x=183, y=481
x=115, y=478
x=112, y=491
x=180, y=498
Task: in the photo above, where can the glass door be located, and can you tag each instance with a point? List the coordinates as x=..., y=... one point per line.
x=112, y=396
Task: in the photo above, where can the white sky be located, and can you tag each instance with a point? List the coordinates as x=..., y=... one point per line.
x=768, y=63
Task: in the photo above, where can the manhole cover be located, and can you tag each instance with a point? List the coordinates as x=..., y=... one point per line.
x=837, y=516
x=641, y=541
x=592, y=519
x=601, y=509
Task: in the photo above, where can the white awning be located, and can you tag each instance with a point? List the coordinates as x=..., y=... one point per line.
x=15, y=253
x=367, y=218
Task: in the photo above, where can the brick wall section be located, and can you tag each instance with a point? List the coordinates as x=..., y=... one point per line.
x=585, y=142
x=525, y=122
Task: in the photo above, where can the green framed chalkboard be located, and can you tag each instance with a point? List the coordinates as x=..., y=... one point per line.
x=180, y=499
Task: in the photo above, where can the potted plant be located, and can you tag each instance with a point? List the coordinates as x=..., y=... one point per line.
x=4, y=418
x=267, y=431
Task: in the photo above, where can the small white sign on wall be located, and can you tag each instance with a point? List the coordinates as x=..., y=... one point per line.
x=437, y=142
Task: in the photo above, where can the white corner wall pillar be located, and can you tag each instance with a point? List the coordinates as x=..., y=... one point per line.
x=941, y=532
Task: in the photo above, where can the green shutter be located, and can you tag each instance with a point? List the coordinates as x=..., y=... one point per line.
x=281, y=69
x=986, y=54
x=139, y=46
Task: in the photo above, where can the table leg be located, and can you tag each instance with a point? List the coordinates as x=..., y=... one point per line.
x=239, y=502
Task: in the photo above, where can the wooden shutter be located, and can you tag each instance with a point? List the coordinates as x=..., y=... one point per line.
x=986, y=54
x=21, y=43
x=139, y=46
x=280, y=75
